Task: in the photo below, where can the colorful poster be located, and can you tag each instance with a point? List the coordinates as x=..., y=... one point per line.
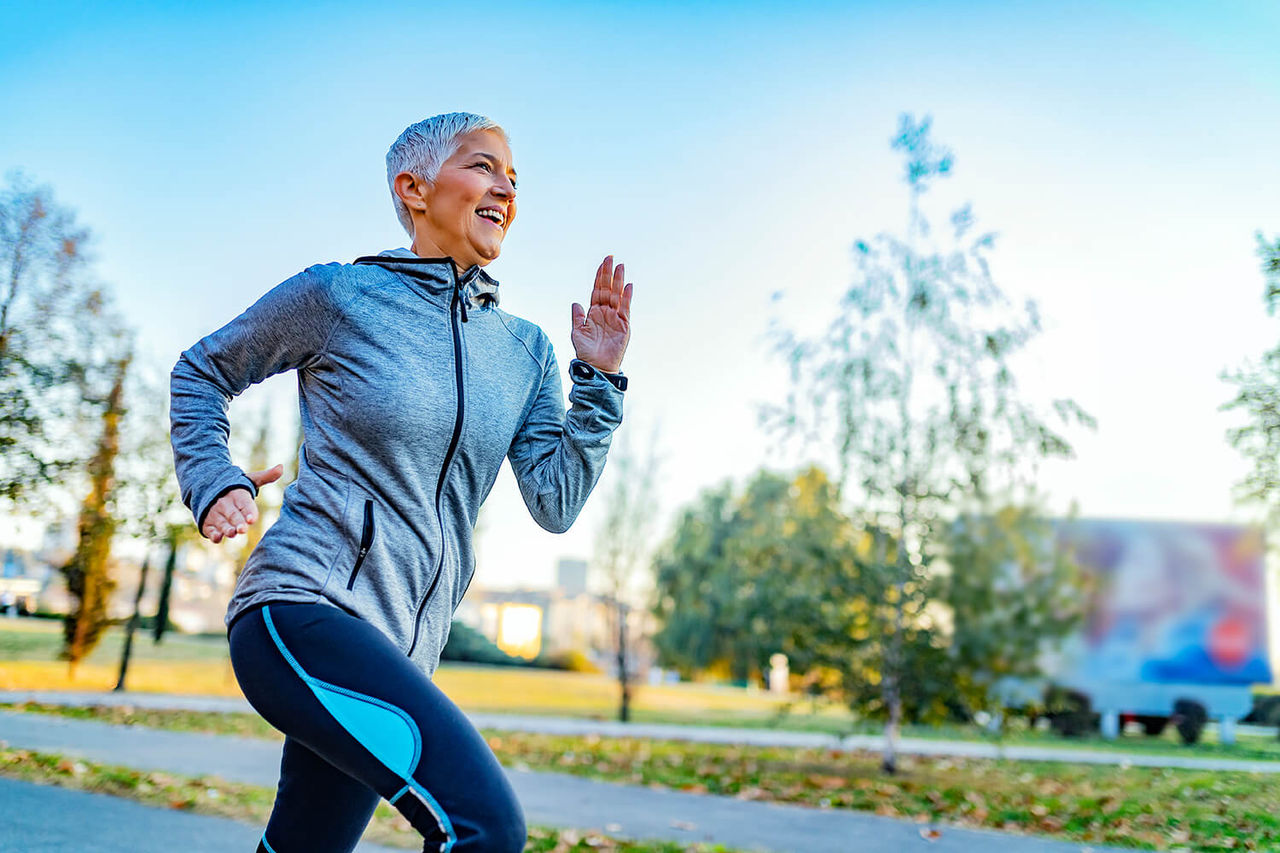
x=1171, y=602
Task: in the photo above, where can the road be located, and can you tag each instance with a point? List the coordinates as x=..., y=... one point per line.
x=549, y=798
x=703, y=734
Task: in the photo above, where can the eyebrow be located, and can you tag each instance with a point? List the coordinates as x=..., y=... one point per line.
x=494, y=160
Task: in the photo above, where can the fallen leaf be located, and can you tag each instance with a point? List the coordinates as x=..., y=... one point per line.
x=930, y=834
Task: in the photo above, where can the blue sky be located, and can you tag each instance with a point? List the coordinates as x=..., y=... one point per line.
x=1125, y=153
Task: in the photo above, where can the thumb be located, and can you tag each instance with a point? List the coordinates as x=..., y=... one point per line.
x=579, y=314
x=261, y=478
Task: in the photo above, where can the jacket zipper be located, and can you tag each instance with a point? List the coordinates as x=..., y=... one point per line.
x=366, y=539
x=453, y=446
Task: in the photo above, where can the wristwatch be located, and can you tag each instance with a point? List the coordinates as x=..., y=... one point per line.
x=580, y=370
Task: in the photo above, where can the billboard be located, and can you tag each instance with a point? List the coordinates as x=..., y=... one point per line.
x=1171, y=602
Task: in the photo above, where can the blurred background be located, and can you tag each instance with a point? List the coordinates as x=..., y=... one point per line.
x=952, y=336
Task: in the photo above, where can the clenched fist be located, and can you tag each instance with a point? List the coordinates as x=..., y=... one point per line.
x=235, y=511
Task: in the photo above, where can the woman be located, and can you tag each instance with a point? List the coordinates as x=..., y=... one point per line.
x=413, y=387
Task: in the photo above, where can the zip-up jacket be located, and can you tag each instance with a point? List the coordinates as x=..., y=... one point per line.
x=413, y=386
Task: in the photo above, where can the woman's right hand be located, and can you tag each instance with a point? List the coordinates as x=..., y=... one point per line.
x=235, y=511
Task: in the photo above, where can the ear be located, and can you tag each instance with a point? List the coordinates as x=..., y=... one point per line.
x=411, y=190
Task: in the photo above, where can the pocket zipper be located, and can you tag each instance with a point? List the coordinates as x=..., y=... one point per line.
x=366, y=539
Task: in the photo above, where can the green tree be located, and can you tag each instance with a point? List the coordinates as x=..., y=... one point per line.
x=1010, y=594
x=748, y=576
x=914, y=373
x=1257, y=395
x=693, y=587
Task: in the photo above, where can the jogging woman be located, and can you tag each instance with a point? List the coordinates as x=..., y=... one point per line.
x=413, y=387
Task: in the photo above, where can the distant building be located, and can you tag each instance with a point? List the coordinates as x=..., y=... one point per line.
x=571, y=577
x=529, y=622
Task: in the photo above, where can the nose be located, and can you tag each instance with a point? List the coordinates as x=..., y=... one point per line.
x=505, y=188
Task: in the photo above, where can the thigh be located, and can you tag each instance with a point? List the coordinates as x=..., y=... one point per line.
x=318, y=806
x=338, y=686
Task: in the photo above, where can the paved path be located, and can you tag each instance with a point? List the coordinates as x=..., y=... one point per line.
x=43, y=819
x=548, y=798
x=703, y=734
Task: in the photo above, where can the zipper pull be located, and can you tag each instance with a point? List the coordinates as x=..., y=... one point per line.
x=462, y=299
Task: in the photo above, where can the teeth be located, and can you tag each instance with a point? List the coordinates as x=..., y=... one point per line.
x=491, y=215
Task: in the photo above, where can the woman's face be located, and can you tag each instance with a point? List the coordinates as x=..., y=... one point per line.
x=471, y=203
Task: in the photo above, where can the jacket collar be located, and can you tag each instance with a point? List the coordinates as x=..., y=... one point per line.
x=437, y=274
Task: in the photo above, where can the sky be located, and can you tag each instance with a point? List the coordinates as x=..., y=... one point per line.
x=730, y=154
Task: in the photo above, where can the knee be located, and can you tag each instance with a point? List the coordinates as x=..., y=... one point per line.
x=517, y=834
x=504, y=829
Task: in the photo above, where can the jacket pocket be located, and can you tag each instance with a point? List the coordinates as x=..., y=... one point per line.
x=366, y=540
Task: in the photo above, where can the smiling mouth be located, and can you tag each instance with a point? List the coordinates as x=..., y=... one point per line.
x=491, y=215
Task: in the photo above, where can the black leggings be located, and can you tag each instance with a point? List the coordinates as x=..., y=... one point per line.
x=362, y=722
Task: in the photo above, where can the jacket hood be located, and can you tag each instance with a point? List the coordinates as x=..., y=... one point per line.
x=478, y=286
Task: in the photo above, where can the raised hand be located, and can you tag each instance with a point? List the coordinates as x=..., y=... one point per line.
x=235, y=511
x=601, y=332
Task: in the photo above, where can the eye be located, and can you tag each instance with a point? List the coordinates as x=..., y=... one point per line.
x=483, y=165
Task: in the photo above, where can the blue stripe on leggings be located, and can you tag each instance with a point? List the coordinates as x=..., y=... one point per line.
x=372, y=722
x=438, y=813
x=270, y=849
x=393, y=737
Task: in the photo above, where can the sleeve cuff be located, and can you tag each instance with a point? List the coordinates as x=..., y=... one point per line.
x=581, y=371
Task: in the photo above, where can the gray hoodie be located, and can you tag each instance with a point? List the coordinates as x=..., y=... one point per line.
x=413, y=386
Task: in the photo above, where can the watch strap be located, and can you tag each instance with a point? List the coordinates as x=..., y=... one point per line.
x=582, y=371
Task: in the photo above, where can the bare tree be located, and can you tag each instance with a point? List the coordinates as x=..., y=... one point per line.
x=623, y=542
x=149, y=501
x=46, y=301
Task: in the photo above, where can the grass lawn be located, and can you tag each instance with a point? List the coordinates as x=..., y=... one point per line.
x=199, y=665
x=212, y=796
x=1136, y=807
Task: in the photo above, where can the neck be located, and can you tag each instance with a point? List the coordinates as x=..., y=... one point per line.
x=424, y=248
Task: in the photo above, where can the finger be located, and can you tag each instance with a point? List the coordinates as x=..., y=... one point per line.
x=615, y=289
x=270, y=475
x=245, y=505
x=599, y=293
x=213, y=534
x=236, y=521
x=579, y=315
x=625, y=309
x=595, y=285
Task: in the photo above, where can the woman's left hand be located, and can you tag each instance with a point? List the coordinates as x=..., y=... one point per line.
x=601, y=332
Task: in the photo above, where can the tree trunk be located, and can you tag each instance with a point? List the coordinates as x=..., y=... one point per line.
x=133, y=622
x=166, y=587
x=87, y=571
x=624, y=679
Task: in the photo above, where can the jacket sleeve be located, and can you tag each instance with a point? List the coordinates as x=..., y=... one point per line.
x=557, y=456
x=287, y=328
